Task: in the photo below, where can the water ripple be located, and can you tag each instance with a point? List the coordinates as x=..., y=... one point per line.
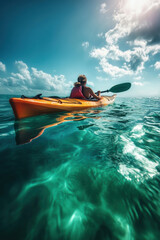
x=92, y=174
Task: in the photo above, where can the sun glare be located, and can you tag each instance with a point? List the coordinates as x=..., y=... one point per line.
x=136, y=6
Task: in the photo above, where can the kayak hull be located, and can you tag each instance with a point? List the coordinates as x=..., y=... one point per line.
x=23, y=108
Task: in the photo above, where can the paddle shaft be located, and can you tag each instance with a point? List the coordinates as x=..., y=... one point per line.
x=103, y=91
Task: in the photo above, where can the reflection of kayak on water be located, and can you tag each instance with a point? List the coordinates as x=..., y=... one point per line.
x=30, y=128
x=28, y=107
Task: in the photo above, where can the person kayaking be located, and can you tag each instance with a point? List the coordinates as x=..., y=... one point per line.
x=80, y=90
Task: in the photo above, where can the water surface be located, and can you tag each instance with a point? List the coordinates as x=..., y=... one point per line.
x=92, y=174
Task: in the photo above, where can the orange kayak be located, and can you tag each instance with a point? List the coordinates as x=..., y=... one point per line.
x=29, y=107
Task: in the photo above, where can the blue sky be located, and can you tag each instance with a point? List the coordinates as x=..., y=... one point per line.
x=45, y=45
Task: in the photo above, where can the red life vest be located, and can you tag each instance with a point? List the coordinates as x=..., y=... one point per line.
x=77, y=92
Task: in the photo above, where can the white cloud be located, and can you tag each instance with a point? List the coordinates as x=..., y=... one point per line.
x=98, y=69
x=23, y=69
x=99, y=78
x=22, y=77
x=103, y=8
x=138, y=83
x=36, y=80
x=100, y=35
x=132, y=61
x=99, y=52
x=157, y=65
x=133, y=25
x=2, y=67
x=85, y=45
x=90, y=83
x=113, y=70
x=3, y=81
x=138, y=78
x=42, y=80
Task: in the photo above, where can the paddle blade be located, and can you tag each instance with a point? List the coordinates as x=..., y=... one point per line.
x=120, y=87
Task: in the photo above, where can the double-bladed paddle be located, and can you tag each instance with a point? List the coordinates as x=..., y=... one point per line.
x=118, y=88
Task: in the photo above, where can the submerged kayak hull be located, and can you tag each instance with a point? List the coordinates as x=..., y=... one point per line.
x=23, y=108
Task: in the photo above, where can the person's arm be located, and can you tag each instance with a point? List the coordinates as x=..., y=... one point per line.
x=94, y=95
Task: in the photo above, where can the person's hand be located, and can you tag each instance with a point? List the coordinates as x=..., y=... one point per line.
x=98, y=93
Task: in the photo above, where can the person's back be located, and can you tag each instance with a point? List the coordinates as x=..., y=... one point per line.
x=80, y=89
x=77, y=91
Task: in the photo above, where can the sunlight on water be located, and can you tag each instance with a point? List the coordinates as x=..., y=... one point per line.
x=83, y=175
x=72, y=206
x=140, y=155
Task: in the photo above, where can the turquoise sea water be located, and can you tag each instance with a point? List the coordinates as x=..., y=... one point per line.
x=93, y=174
